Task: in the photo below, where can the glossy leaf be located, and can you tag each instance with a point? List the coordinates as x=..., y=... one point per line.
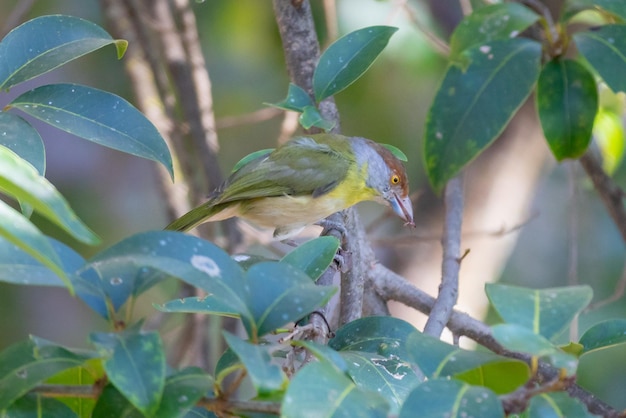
x=438, y=359
x=45, y=43
x=26, y=364
x=473, y=105
x=97, y=116
x=314, y=256
x=453, y=399
x=20, y=137
x=278, y=293
x=557, y=404
x=21, y=180
x=16, y=229
x=297, y=99
x=311, y=117
x=323, y=353
x=182, y=390
x=382, y=335
x=227, y=364
x=319, y=389
x=605, y=49
x=567, y=103
x=208, y=304
x=250, y=157
x=17, y=266
x=390, y=377
x=346, y=59
x=128, y=267
x=496, y=21
x=520, y=339
x=35, y=405
x=111, y=403
x=546, y=312
x=135, y=364
x=397, y=152
x=608, y=133
x=86, y=374
x=267, y=377
x=616, y=8
x=604, y=334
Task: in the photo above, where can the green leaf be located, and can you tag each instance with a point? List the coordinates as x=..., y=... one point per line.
x=346, y=59
x=17, y=266
x=209, y=304
x=267, y=377
x=520, y=339
x=132, y=265
x=227, y=364
x=21, y=180
x=250, y=157
x=182, y=390
x=111, y=403
x=438, y=359
x=314, y=256
x=496, y=21
x=20, y=137
x=26, y=364
x=546, y=312
x=557, y=404
x=605, y=49
x=135, y=364
x=47, y=42
x=278, y=293
x=20, y=232
x=382, y=335
x=474, y=105
x=567, y=102
x=616, y=8
x=311, y=117
x=35, y=405
x=87, y=374
x=323, y=353
x=297, y=99
x=451, y=398
x=97, y=116
x=397, y=152
x=322, y=390
x=608, y=132
x=604, y=334
x=388, y=376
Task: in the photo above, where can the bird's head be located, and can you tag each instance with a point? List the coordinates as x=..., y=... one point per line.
x=387, y=176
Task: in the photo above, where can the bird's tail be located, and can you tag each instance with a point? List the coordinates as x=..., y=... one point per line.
x=194, y=217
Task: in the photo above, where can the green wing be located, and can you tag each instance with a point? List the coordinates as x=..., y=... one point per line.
x=308, y=165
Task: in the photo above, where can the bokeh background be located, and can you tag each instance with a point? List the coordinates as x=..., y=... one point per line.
x=529, y=221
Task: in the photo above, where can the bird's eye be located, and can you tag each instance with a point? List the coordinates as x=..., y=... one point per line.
x=395, y=179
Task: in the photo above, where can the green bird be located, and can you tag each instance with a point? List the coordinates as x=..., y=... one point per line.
x=305, y=180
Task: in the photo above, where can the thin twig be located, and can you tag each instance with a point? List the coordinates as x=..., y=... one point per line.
x=451, y=242
x=466, y=7
x=612, y=195
x=620, y=288
x=257, y=116
x=572, y=241
x=435, y=41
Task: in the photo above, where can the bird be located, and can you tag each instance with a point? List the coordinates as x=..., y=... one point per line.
x=303, y=181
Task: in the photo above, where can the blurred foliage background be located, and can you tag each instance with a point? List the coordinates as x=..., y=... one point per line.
x=568, y=236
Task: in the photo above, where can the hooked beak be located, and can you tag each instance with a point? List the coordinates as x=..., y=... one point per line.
x=403, y=208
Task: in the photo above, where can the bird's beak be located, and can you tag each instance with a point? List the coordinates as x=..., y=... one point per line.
x=403, y=208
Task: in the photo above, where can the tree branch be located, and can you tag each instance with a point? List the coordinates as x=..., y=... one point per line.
x=451, y=242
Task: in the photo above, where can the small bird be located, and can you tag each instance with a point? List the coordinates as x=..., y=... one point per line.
x=305, y=180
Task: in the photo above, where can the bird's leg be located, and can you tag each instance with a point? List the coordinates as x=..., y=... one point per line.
x=342, y=258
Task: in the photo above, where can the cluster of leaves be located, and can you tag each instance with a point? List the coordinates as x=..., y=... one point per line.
x=372, y=367
x=375, y=366
x=493, y=70
x=92, y=114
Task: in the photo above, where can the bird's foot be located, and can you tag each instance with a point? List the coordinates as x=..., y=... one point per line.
x=329, y=225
